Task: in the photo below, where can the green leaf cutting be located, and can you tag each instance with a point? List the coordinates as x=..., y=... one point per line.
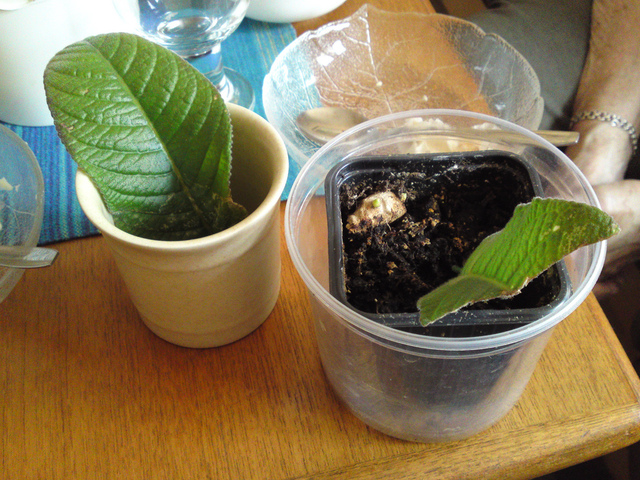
x=151, y=132
x=538, y=235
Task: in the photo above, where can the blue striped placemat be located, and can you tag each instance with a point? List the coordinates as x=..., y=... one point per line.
x=250, y=50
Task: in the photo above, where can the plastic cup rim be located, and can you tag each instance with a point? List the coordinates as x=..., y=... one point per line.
x=374, y=330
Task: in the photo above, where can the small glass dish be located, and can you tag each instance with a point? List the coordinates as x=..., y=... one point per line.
x=21, y=202
x=378, y=63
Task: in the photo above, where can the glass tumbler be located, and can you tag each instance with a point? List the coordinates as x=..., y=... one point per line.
x=194, y=29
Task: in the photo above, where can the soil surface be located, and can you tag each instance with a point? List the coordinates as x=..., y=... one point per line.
x=389, y=267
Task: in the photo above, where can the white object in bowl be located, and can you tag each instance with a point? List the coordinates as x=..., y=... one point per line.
x=378, y=63
x=21, y=202
x=29, y=37
x=286, y=11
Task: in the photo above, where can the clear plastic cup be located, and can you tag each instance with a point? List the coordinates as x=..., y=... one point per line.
x=407, y=385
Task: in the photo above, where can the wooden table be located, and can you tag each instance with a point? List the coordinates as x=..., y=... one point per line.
x=87, y=392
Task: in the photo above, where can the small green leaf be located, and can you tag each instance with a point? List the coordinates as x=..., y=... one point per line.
x=538, y=235
x=153, y=134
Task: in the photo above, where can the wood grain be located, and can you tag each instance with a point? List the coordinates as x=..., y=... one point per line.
x=87, y=391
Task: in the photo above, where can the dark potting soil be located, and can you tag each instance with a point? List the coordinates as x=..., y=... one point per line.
x=389, y=267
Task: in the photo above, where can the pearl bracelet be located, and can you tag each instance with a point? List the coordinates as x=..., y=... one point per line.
x=612, y=119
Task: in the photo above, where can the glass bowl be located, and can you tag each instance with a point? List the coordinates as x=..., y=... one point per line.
x=21, y=202
x=379, y=63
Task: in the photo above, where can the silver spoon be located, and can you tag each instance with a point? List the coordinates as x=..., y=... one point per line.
x=322, y=124
x=16, y=257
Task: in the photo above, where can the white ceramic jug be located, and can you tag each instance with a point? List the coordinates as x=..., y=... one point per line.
x=29, y=37
x=285, y=11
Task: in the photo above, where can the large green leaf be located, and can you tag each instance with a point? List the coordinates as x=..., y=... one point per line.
x=538, y=235
x=153, y=134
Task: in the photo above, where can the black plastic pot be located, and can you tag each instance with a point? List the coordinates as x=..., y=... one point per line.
x=429, y=169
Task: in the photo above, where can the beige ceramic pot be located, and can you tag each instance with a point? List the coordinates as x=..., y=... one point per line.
x=213, y=290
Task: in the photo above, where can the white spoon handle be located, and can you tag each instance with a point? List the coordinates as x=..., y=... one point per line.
x=16, y=257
